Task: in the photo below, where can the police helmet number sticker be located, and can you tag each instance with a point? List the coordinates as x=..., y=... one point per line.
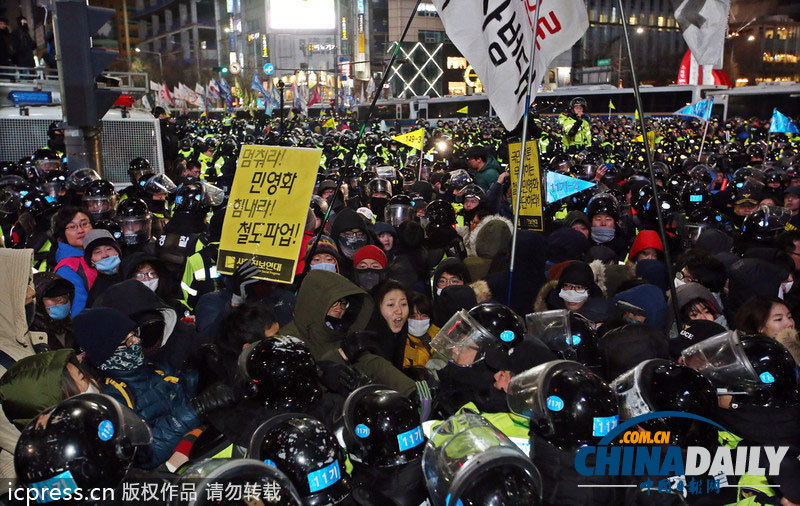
x=362, y=430
x=554, y=403
x=457, y=502
x=507, y=336
x=766, y=377
x=325, y=477
x=269, y=463
x=574, y=341
x=604, y=424
x=105, y=430
x=55, y=488
x=410, y=438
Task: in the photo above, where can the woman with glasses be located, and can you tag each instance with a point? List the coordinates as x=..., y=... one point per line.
x=150, y=271
x=70, y=226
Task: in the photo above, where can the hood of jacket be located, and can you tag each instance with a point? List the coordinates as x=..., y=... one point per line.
x=752, y=276
x=319, y=290
x=132, y=262
x=651, y=299
x=132, y=297
x=65, y=250
x=689, y=292
x=16, y=268
x=347, y=219
x=32, y=385
x=491, y=237
x=451, y=265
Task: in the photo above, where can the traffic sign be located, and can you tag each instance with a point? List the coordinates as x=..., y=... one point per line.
x=236, y=67
x=269, y=69
x=602, y=63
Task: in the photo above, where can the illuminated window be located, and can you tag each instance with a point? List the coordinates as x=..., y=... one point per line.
x=456, y=62
x=613, y=14
x=670, y=21
x=456, y=88
x=769, y=34
x=632, y=20
x=603, y=18
x=591, y=14
x=661, y=21
x=742, y=81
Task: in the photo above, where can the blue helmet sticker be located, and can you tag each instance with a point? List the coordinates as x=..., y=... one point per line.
x=410, y=439
x=576, y=340
x=105, y=430
x=554, y=403
x=325, y=477
x=507, y=336
x=602, y=425
x=766, y=377
x=362, y=430
x=270, y=463
x=456, y=503
x=178, y=199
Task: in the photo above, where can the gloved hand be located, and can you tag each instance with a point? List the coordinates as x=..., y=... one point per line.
x=338, y=378
x=424, y=400
x=241, y=277
x=358, y=343
x=575, y=128
x=215, y=397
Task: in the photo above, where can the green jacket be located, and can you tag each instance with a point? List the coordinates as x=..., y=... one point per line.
x=488, y=174
x=32, y=385
x=318, y=292
x=582, y=139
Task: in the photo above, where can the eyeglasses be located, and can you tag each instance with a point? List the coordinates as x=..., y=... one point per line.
x=83, y=224
x=342, y=303
x=682, y=276
x=131, y=339
x=144, y=276
x=351, y=234
x=445, y=282
x=575, y=288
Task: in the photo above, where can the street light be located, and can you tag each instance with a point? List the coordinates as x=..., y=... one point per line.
x=160, y=64
x=640, y=30
x=751, y=38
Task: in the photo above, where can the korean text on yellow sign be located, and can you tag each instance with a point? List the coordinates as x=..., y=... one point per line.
x=267, y=210
x=530, y=209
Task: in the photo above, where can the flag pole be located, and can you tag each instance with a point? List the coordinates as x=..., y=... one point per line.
x=648, y=153
x=421, y=156
x=523, y=149
x=703, y=142
x=351, y=153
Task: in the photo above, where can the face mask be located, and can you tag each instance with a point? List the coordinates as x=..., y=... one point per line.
x=439, y=291
x=324, y=266
x=92, y=389
x=602, y=234
x=350, y=245
x=60, y=311
x=151, y=284
x=418, y=328
x=334, y=323
x=30, y=311
x=124, y=359
x=108, y=265
x=377, y=205
x=369, y=278
x=573, y=296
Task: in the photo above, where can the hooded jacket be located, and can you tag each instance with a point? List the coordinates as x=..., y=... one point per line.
x=644, y=240
x=319, y=290
x=179, y=342
x=72, y=267
x=16, y=266
x=453, y=266
x=59, y=332
x=651, y=299
x=348, y=219
x=687, y=293
x=491, y=237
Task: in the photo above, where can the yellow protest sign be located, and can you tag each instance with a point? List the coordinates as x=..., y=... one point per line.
x=464, y=110
x=651, y=138
x=329, y=124
x=414, y=138
x=530, y=209
x=267, y=210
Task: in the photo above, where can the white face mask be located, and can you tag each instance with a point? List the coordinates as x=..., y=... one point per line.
x=92, y=389
x=573, y=296
x=418, y=328
x=151, y=284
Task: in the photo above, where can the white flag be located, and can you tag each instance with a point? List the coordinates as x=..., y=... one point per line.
x=704, y=24
x=495, y=37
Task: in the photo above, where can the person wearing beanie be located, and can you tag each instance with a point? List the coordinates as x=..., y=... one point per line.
x=70, y=227
x=369, y=263
x=574, y=287
x=326, y=255
x=160, y=395
x=646, y=246
x=387, y=235
x=102, y=252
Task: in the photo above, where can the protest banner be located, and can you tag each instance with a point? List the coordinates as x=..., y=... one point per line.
x=530, y=210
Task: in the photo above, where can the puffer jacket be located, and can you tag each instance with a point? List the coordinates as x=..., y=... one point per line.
x=491, y=237
x=319, y=290
x=16, y=341
x=162, y=398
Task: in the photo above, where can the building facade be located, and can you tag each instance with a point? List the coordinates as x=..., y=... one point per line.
x=766, y=50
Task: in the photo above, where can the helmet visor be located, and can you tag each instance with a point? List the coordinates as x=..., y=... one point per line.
x=79, y=179
x=550, y=323
x=160, y=183
x=462, y=340
x=214, y=196
x=100, y=205
x=629, y=394
x=128, y=425
x=526, y=391
x=135, y=229
x=47, y=165
x=722, y=360
x=397, y=214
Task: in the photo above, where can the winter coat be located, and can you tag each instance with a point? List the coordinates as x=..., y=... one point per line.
x=644, y=240
x=348, y=219
x=528, y=273
x=453, y=266
x=488, y=174
x=72, y=267
x=32, y=385
x=16, y=341
x=318, y=292
x=749, y=277
x=179, y=342
x=491, y=237
x=161, y=398
x=651, y=299
x=5, y=48
x=23, y=47
x=100, y=285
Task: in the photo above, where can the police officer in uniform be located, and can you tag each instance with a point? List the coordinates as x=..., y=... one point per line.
x=575, y=130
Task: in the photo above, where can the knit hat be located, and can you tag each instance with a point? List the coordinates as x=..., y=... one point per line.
x=98, y=237
x=325, y=245
x=99, y=331
x=384, y=228
x=370, y=252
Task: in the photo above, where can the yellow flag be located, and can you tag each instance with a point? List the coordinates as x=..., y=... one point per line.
x=329, y=124
x=413, y=138
x=636, y=114
x=464, y=110
x=611, y=105
x=651, y=138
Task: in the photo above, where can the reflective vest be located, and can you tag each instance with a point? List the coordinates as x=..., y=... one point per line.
x=200, y=275
x=582, y=139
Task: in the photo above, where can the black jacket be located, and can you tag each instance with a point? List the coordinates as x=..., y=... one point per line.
x=23, y=46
